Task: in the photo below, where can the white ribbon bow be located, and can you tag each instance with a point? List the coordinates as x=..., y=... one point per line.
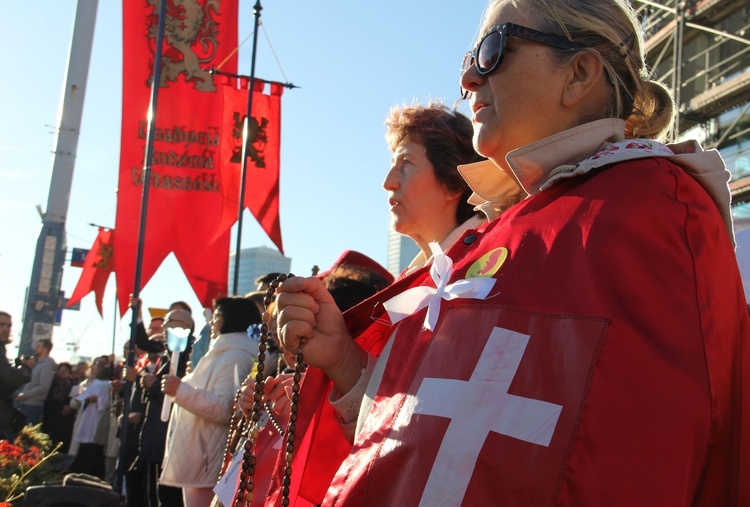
x=412, y=300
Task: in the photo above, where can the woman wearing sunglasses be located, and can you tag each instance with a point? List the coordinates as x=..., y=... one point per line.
x=607, y=363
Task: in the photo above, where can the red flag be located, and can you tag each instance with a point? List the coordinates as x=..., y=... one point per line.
x=262, y=179
x=185, y=200
x=96, y=270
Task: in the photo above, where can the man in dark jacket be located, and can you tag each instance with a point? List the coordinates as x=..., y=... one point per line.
x=11, y=378
x=153, y=431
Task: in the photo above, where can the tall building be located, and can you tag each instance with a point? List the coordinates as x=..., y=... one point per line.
x=255, y=262
x=700, y=49
x=401, y=251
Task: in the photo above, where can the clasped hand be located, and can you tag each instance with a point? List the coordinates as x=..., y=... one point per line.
x=278, y=395
x=307, y=314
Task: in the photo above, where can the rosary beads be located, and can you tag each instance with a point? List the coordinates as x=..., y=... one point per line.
x=246, y=485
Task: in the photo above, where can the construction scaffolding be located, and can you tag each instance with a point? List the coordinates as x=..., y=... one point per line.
x=700, y=50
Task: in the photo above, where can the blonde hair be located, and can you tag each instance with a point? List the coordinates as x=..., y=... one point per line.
x=611, y=29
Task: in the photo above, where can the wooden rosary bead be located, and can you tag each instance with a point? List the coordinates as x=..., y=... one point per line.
x=246, y=485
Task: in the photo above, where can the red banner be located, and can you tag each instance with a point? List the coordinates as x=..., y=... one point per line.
x=96, y=270
x=184, y=204
x=263, y=157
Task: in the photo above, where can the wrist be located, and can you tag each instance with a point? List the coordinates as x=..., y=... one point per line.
x=348, y=370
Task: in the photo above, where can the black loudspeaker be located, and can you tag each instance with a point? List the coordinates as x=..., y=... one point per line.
x=70, y=496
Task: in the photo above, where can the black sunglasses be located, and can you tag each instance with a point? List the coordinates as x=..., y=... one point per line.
x=488, y=54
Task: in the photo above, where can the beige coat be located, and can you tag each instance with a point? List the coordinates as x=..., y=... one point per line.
x=199, y=424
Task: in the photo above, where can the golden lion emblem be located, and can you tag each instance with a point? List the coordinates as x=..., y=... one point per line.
x=190, y=31
x=257, y=137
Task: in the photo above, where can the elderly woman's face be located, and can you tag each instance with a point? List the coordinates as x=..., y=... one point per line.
x=416, y=197
x=518, y=103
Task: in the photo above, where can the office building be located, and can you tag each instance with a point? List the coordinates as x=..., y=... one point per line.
x=401, y=251
x=255, y=262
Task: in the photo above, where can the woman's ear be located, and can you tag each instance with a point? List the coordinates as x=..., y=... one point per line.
x=452, y=195
x=584, y=77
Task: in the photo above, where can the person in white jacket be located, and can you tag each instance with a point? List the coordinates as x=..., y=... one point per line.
x=199, y=424
x=90, y=434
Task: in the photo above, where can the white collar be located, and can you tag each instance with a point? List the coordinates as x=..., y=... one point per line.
x=230, y=341
x=422, y=260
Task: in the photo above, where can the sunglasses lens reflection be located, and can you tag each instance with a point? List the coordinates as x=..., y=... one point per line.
x=489, y=52
x=488, y=55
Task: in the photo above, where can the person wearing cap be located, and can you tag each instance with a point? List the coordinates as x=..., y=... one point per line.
x=142, y=336
x=353, y=278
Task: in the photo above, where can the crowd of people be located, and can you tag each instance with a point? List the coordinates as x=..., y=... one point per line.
x=75, y=405
x=171, y=457
x=574, y=330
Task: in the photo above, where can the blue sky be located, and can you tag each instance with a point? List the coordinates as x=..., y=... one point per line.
x=352, y=60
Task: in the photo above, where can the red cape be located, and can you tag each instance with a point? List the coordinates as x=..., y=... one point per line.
x=610, y=366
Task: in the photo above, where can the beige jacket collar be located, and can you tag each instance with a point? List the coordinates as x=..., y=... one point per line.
x=576, y=151
x=531, y=165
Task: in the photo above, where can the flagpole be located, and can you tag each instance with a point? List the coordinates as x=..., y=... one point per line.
x=114, y=324
x=141, y=234
x=245, y=145
x=242, y=76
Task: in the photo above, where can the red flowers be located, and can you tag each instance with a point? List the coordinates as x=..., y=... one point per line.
x=12, y=455
x=25, y=462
